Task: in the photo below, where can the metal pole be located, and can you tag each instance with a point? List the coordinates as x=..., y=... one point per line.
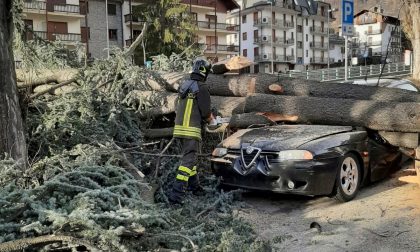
x=107, y=27
x=272, y=40
x=328, y=38
x=346, y=59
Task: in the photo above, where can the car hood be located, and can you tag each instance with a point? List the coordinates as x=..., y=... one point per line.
x=282, y=137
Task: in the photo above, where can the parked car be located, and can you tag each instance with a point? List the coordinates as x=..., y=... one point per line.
x=304, y=159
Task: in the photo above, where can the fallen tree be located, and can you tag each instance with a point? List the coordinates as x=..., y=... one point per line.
x=376, y=115
x=244, y=85
x=152, y=103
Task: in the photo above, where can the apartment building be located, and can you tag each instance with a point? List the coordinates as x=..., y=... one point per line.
x=337, y=50
x=55, y=20
x=97, y=14
x=375, y=35
x=281, y=34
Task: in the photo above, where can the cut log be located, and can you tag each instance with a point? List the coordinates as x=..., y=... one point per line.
x=154, y=104
x=31, y=78
x=244, y=85
x=376, y=115
x=276, y=89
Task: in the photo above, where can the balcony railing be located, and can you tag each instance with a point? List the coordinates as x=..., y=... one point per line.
x=35, y=5
x=220, y=48
x=206, y=3
x=52, y=36
x=66, y=8
x=278, y=41
x=65, y=36
x=396, y=33
x=364, y=21
x=373, y=32
x=374, y=43
x=278, y=23
x=318, y=60
x=52, y=7
x=317, y=45
x=318, y=30
x=217, y=26
x=278, y=58
x=132, y=18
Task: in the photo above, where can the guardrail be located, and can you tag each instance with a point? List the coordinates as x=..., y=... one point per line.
x=336, y=74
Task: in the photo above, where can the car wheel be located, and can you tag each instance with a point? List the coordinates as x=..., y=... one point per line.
x=349, y=178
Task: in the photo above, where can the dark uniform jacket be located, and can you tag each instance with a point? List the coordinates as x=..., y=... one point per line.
x=191, y=112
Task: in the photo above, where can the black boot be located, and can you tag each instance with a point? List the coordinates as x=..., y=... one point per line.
x=176, y=195
x=194, y=186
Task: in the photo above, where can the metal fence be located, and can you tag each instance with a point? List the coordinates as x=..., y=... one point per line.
x=334, y=74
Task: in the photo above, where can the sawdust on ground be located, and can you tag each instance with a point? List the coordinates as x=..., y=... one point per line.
x=385, y=216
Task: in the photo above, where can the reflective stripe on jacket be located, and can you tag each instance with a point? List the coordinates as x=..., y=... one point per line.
x=190, y=113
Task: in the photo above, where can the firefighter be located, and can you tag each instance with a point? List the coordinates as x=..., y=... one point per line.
x=193, y=110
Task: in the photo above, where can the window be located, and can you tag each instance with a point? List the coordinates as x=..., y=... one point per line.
x=307, y=22
x=299, y=44
x=245, y=53
x=112, y=34
x=256, y=68
x=293, y=51
x=112, y=9
x=256, y=52
x=256, y=35
x=307, y=53
x=307, y=37
x=244, y=36
x=343, y=50
x=243, y=19
x=299, y=28
x=255, y=17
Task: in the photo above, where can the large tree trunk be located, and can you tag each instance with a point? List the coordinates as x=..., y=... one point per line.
x=416, y=44
x=163, y=103
x=245, y=85
x=12, y=137
x=387, y=116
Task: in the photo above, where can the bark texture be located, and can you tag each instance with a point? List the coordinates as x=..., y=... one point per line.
x=386, y=116
x=163, y=103
x=244, y=85
x=407, y=140
x=12, y=137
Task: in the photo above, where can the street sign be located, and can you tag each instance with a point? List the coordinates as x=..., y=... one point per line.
x=347, y=17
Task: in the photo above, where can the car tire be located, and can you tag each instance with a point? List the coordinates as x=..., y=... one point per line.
x=349, y=178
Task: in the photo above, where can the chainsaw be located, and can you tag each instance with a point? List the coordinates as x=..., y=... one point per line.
x=218, y=125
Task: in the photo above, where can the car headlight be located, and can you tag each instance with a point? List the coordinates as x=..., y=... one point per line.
x=295, y=155
x=219, y=152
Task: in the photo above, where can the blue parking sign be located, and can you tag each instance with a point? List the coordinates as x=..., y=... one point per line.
x=347, y=17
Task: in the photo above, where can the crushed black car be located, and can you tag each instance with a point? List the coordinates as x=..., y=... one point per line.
x=304, y=159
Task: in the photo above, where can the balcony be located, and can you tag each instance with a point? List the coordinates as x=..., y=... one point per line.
x=278, y=41
x=231, y=49
x=277, y=24
x=277, y=58
x=396, y=33
x=217, y=26
x=373, y=32
x=52, y=7
x=374, y=43
x=318, y=30
x=37, y=5
x=318, y=60
x=200, y=3
x=132, y=18
x=364, y=21
x=65, y=37
x=318, y=45
x=63, y=8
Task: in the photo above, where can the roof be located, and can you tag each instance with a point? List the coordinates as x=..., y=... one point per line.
x=387, y=18
x=231, y=4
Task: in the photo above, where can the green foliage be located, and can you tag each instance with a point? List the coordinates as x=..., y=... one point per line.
x=78, y=183
x=171, y=29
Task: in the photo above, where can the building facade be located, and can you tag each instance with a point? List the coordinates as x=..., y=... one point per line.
x=377, y=36
x=98, y=33
x=280, y=36
x=58, y=20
